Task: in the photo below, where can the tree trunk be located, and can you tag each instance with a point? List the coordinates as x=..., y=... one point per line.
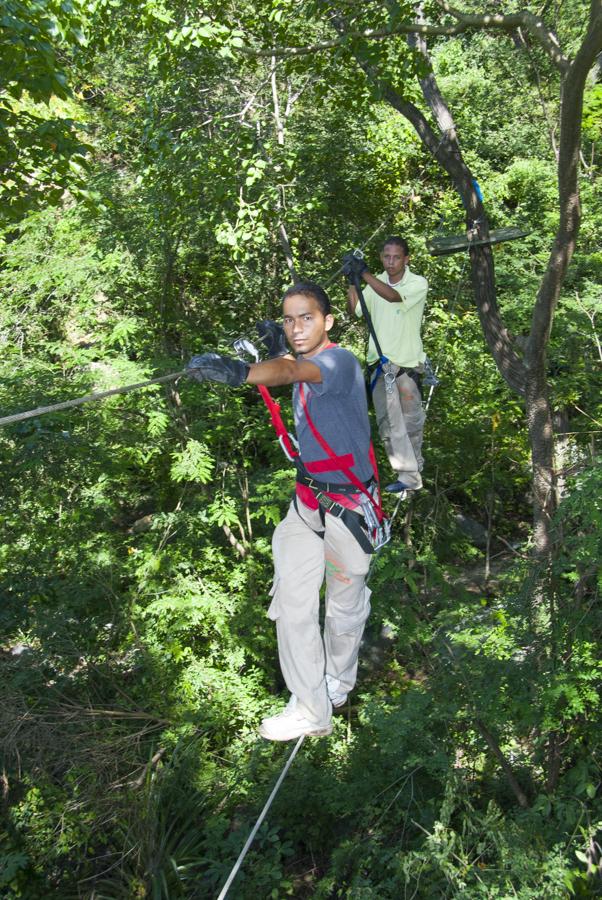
x=527, y=376
x=541, y=439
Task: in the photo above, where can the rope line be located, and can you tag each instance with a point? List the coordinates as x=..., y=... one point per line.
x=418, y=180
x=257, y=825
x=88, y=398
x=224, y=891
x=101, y=395
x=366, y=242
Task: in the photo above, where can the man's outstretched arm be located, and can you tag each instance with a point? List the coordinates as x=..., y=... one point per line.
x=284, y=370
x=234, y=372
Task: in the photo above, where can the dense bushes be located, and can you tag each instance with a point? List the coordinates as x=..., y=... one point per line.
x=135, y=564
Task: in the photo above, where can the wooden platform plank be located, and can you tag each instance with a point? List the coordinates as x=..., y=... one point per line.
x=459, y=242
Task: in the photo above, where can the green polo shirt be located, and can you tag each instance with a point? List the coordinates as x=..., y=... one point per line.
x=397, y=325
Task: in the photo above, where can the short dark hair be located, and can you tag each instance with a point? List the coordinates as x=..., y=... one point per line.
x=401, y=242
x=310, y=289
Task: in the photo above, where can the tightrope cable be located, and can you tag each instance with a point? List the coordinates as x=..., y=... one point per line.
x=88, y=398
x=222, y=894
x=419, y=179
x=257, y=825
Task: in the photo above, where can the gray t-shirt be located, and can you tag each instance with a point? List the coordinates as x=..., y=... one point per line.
x=339, y=410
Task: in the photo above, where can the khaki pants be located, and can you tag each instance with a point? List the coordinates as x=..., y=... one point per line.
x=302, y=560
x=400, y=419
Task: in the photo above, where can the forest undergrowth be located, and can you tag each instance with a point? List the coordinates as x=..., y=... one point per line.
x=167, y=172
x=133, y=768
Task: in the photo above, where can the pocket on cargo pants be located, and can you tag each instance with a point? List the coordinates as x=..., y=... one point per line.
x=274, y=607
x=344, y=621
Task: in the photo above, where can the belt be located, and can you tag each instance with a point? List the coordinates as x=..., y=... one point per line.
x=330, y=487
x=403, y=370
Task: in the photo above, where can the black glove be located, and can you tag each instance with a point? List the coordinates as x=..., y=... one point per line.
x=213, y=367
x=353, y=266
x=271, y=334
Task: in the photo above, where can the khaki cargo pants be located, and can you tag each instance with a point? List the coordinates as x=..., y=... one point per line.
x=400, y=418
x=302, y=560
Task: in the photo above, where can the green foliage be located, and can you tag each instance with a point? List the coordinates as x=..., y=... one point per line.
x=42, y=152
x=135, y=567
x=193, y=463
x=592, y=112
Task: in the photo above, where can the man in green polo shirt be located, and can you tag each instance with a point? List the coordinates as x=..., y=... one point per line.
x=395, y=300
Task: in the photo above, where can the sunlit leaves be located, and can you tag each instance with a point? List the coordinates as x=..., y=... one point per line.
x=38, y=138
x=194, y=463
x=223, y=510
x=592, y=112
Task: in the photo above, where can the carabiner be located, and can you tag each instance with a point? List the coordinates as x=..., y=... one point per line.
x=389, y=377
x=243, y=345
x=294, y=443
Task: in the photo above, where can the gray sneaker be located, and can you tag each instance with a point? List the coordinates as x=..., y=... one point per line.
x=337, y=696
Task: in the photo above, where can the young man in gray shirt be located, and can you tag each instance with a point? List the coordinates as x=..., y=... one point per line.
x=331, y=418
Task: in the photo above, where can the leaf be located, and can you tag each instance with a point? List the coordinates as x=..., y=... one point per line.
x=193, y=463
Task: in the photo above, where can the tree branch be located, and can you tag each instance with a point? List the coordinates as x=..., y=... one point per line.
x=369, y=34
x=569, y=146
x=240, y=549
x=505, y=765
x=280, y=137
x=430, y=88
x=447, y=152
x=542, y=99
x=510, y=22
x=464, y=22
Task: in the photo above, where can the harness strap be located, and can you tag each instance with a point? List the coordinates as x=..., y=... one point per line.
x=366, y=314
x=329, y=487
x=350, y=519
x=277, y=423
x=327, y=465
x=320, y=534
x=374, y=464
x=382, y=359
x=378, y=370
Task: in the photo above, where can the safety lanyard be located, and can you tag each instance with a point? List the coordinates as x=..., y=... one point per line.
x=382, y=359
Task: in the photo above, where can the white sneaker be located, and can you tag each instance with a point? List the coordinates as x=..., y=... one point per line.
x=336, y=695
x=289, y=724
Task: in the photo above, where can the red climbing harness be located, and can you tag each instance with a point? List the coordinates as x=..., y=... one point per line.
x=341, y=463
x=376, y=529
